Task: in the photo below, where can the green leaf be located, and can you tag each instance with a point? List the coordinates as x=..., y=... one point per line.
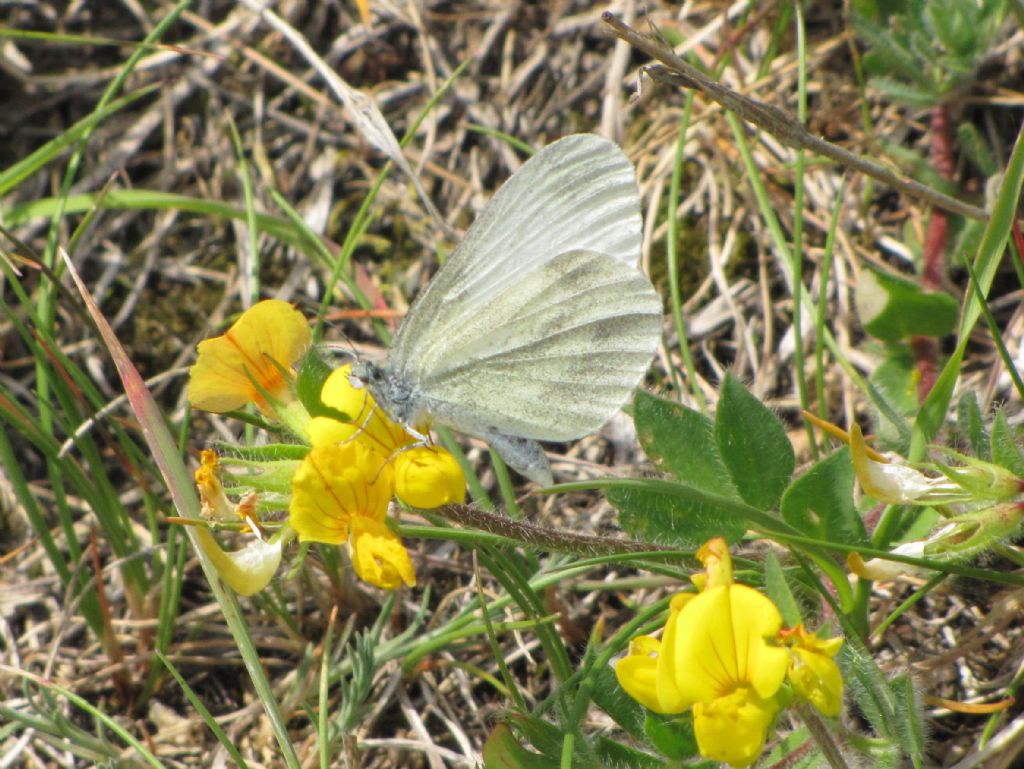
x=777, y=587
x=502, y=751
x=656, y=514
x=313, y=372
x=975, y=147
x=892, y=308
x=967, y=240
x=888, y=54
x=820, y=502
x=895, y=381
x=542, y=735
x=672, y=735
x=951, y=31
x=910, y=724
x=1005, y=451
x=972, y=426
x=613, y=700
x=892, y=707
x=932, y=415
x=614, y=754
x=897, y=90
x=753, y=446
x=868, y=687
x=681, y=442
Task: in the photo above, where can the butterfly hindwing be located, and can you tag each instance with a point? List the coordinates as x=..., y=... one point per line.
x=550, y=358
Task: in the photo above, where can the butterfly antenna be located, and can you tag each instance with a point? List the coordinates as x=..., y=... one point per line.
x=351, y=347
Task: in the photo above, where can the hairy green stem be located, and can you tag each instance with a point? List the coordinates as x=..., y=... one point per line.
x=543, y=538
x=823, y=737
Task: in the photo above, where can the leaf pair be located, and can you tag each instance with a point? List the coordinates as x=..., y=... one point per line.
x=729, y=474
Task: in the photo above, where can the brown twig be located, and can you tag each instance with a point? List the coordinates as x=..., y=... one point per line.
x=782, y=126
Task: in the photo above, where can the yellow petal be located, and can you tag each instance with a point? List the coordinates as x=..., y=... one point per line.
x=813, y=673
x=323, y=431
x=714, y=554
x=679, y=600
x=722, y=644
x=231, y=369
x=732, y=729
x=816, y=678
x=427, y=477
x=670, y=698
x=801, y=637
x=245, y=571
x=364, y=11
x=378, y=556
x=333, y=485
x=338, y=393
x=637, y=672
x=366, y=417
x=880, y=569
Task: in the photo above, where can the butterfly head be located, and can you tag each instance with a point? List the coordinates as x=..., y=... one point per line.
x=391, y=393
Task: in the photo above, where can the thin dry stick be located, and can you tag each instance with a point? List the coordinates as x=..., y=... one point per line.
x=782, y=126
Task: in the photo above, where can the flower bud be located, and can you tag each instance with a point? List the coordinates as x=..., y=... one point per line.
x=427, y=477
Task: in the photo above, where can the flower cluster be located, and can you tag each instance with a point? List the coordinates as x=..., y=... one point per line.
x=356, y=460
x=725, y=655
x=979, y=503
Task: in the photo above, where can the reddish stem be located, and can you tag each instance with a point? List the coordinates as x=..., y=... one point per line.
x=933, y=257
x=1018, y=238
x=926, y=357
x=933, y=262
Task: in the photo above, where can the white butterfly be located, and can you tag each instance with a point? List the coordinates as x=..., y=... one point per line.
x=541, y=324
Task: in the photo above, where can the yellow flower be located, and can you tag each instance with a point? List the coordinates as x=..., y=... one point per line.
x=717, y=657
x=368, y=420
x=719, y=642
x=812, y=671
x=335, y=484
x=340, y=494
x=378, y=556
x=427, y=477
x=642, y=673
x=250, y=362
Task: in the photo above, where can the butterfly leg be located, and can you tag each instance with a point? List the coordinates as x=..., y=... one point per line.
x=522, y=455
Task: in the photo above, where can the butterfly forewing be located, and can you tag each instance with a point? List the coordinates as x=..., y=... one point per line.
x=577, y=193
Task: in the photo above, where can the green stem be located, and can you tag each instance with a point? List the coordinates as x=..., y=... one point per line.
x=823, y=736
x=543, y=538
